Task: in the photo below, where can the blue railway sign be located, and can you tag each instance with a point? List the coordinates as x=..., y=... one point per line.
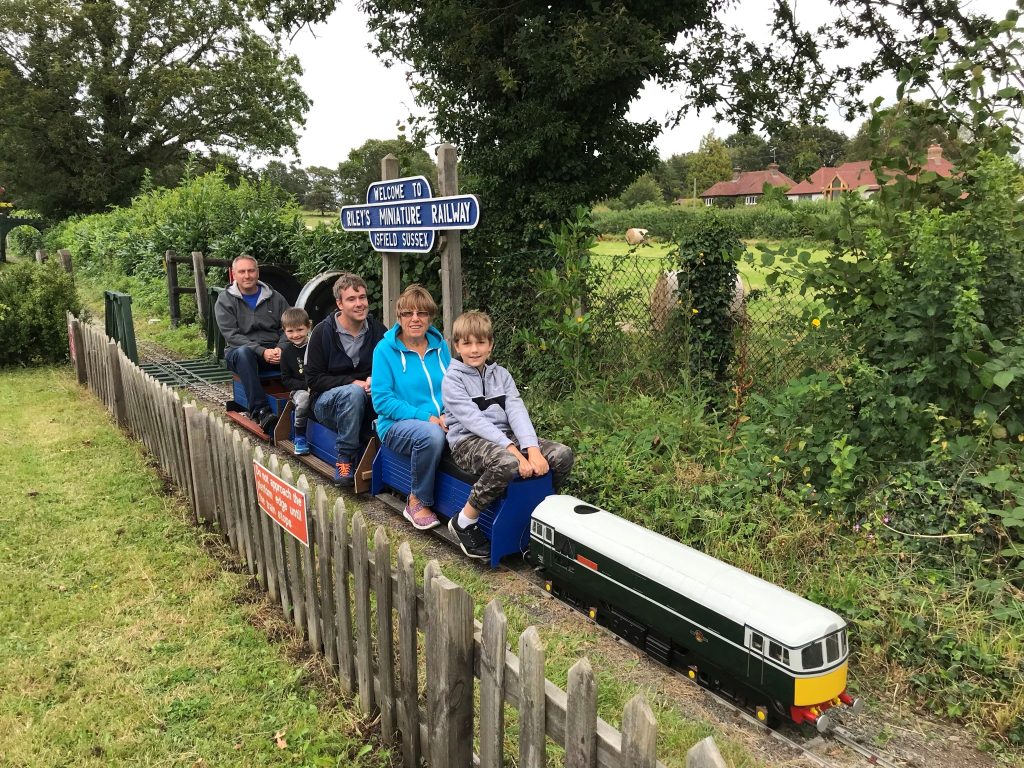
x=400, y=215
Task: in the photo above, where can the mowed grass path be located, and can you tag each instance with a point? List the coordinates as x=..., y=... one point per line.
x=122, y=641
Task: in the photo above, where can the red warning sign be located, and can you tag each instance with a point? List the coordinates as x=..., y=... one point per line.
x=285, y=503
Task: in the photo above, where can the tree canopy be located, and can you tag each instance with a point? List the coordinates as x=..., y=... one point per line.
x=536, y=94
x=362, y=167
x=96, y=93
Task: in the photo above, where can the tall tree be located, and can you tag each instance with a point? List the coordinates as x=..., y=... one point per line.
x=803, y=149
x=671, y=176
x=293, y=179
x=362, y=167
x=749, y=152
x=97, y=92
x=323, y=189
x=710, y=163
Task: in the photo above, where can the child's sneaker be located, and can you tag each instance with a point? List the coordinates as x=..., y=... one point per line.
x=422, y=519
x=301, y=446
x=344, y=471
x=471, y=539
x=267, y=419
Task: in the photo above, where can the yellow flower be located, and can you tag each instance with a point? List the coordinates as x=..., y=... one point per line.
x=695, y=311
x=579, y=319
x=816, y=322
x=944, y=444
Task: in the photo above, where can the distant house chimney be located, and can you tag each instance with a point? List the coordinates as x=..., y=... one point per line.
x=773, y=168
x=736, y=172
x=935, y=152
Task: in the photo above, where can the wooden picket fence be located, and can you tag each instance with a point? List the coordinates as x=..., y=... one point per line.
x=326, y=590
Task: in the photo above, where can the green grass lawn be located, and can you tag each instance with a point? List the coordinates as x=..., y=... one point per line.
x=123, y=642
x=313, y=218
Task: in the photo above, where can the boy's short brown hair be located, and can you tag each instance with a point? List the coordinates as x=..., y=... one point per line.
x=475, y=324
x=418, y=298
x=295, y=316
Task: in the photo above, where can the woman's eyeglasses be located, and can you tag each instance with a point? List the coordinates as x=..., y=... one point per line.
x=414, y=313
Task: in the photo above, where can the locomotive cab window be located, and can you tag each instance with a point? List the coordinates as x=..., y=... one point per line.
x=777, y=652
x=811, y=656
x=544, y=532
x=756, y=642
x=832, y=648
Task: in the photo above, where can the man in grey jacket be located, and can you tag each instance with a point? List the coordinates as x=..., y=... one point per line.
x=248, y=314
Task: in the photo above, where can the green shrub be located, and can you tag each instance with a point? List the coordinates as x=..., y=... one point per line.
x=33, y=300
x=700, y=333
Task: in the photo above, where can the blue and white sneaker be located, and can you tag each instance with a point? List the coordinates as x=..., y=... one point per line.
x=301, y=445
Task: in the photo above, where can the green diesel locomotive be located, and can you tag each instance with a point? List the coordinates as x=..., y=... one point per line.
x=772, y=651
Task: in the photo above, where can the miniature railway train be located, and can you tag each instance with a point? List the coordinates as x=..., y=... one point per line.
x=782, y=657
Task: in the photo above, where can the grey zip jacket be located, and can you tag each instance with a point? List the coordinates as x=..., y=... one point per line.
x=257, y=329
x=485, y=404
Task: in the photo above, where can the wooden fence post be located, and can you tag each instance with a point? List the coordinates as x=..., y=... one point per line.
x=581, y=717
x=639, y=735
x=202, y=297
x=492, y=686
x=449, y=649
x=324, y=556
x=199, y=463
x=41, y=255
x=364, y=644
x=173, y=299
x=451, y=255
x=385, y=635
x=78, y=344
x=407, y=657
x=531, y=700
x=342, y=599
x=116, y=384
x=309, y=571
x=391, y=275
x=65, y=260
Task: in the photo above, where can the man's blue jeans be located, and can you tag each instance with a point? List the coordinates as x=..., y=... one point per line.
x=247, y=365
x=343, y=410
x=422, y=442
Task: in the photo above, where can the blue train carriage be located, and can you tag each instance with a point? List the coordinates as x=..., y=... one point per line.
x=771, y=651
x=505, y=523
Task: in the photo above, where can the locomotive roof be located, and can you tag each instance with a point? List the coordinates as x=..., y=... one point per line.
x=729, y=591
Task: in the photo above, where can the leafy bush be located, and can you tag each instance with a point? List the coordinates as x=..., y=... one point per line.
x=700, y=333
x=33, y=300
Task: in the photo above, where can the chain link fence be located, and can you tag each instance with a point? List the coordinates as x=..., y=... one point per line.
x=775, y=338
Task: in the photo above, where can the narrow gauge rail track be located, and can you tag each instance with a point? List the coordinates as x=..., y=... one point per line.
x=196, y=379
x=200, y=377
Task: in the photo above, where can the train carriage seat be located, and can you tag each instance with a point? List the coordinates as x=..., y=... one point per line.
x=506, y=522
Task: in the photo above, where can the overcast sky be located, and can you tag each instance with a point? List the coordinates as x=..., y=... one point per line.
x=355, y=97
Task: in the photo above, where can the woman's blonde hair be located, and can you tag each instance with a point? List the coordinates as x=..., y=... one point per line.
x=416, y=297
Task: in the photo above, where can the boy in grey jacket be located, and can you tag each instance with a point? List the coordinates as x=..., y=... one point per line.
x=489, y=430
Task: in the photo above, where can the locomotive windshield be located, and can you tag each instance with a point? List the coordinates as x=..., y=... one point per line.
x=826, y=651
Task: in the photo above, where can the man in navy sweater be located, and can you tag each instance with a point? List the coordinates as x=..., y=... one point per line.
x=339, y=358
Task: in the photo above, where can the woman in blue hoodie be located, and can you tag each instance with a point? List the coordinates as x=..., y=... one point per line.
x=409, y=364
